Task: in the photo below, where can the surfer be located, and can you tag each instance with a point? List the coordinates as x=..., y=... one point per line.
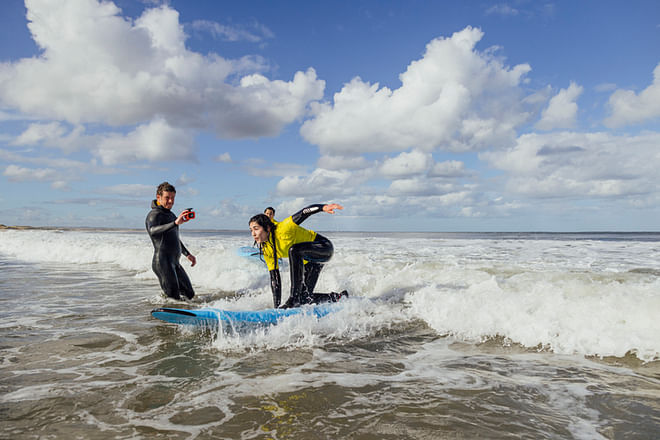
x=163, y=228
x=270, y=212
x=307, y=252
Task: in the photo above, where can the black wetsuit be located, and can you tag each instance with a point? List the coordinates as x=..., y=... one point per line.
x=304, y=276
x=168, y=248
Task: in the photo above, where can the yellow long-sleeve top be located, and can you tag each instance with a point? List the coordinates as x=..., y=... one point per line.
x=287, y=234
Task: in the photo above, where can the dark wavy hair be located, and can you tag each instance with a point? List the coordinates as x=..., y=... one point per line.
x=163, y=187
x=264, y=221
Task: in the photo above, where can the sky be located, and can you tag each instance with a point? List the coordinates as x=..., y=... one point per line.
x=414, y=115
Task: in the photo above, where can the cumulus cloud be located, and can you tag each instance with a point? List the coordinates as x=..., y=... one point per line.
x=419, y=186
x=53, y=135
x=17, y=173
x=449, y=169
x=562, y=110
x=223, y=158
x=453, y=98
x=98, y=67
x=342, y=162
x=570, y=165
x=407, y=165
x=155, y=141
x=410, y=181
x=36, y=133
x=628, y=107
x=320, y=182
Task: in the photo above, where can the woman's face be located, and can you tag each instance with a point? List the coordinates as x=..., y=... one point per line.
x=259, y=234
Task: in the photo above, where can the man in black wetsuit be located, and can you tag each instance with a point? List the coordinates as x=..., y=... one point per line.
x=163, y=228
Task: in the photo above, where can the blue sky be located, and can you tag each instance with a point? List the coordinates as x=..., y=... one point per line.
x=415, y=115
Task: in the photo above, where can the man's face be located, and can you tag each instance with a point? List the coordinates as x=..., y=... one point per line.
x=270, y=213
x=166, y=199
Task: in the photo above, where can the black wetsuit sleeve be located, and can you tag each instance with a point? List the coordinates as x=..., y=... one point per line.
x=184, y=251
x=276, y=286
x=160, y=229
x=302, y=215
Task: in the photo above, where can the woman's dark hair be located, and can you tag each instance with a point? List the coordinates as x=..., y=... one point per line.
x=264, y=221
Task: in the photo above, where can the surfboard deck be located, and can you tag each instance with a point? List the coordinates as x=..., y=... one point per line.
x=248, y=252
x=252, y=253
x=212, y=317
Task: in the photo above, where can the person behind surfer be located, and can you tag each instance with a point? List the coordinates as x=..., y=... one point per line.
x=307, y=252
x=270, y=213
x=163, y=228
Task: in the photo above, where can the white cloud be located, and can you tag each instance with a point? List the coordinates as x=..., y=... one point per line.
x=321, y=182
x=17, y=173
x=580, y=165
x=605, y=87
x=156, y=141
x=36, y=133
x=562, y=109
x=53, y=135
x=342, y=162
x=184, y=180
x=407, y=165
x=449, y=169
x=454, y=98
x=254, y=33
x=99, y=67
x=224, y=158
x=502, y=9
x=419, y=187
x=627, y=107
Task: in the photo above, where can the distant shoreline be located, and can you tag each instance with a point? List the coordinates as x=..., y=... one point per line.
x=20, y=227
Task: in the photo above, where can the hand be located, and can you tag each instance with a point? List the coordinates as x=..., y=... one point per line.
x=330, y=209
x=192, y=259
x=181, y=219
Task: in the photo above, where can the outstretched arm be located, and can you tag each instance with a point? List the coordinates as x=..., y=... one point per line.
x=154, y=228
x=304, y=213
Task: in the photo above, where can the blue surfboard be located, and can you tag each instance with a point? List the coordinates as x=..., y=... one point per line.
x=252, y=253
x=248, y=252
x=211, y=317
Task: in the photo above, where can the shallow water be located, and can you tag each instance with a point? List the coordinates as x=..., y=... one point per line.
x=444, y=336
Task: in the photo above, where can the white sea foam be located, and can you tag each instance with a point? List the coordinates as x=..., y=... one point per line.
x=577, y=295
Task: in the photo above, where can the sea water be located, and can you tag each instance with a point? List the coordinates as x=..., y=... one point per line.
x=538, y=336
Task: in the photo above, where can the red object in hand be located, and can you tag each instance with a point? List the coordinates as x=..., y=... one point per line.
x=189, y=214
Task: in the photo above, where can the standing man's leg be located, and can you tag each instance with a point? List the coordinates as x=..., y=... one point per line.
x=166, y=274
x=185, y=286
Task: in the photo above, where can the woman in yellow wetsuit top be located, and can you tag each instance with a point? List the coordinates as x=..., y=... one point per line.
x=307, y=252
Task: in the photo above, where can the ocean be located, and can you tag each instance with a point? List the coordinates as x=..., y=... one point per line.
x=444, y=336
